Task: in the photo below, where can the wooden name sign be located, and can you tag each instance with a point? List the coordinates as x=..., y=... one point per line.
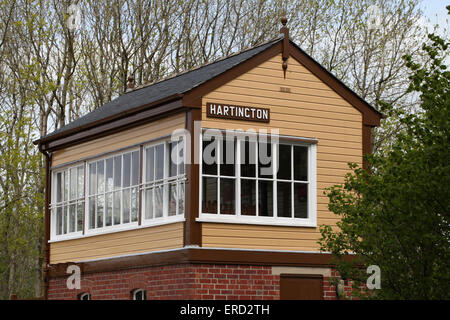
x=233, y=112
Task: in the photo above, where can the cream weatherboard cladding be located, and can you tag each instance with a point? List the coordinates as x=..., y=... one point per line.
x=139, y=240
x=312, y=110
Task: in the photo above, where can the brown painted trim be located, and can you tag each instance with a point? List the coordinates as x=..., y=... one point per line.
x=370, y=115
x=121, y=124
x=366, y=142
x=192, y=228
x=123, y=114
x=200, y=256
x=48, y=159
x=193, y=98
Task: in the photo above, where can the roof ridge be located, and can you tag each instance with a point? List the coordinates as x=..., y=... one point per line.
x=203, y=65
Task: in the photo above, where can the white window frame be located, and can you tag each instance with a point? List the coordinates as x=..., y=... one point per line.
x=113, y=228
x=237, y=218
x=54, y=205
x=136, y=291
x=178, y=179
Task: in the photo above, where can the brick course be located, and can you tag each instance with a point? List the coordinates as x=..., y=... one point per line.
x=184, y=281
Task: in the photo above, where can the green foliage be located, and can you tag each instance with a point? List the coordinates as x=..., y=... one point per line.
x=397, y=215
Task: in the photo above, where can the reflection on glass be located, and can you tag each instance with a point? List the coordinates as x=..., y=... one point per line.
x=284, y=162
x=100, y=206
x=181, y=153
x=209, y=195
x=209, y=164
x=135, y=168
x=58, y=220
x=248, y=158
x=227, y=196
x=73, y=183
x=284, y=199
x=181, y=198
x=265, y=160
x=227, y=158
x=109, y=174
x=100, y=176
x=109, y=209
x=72, y=217
x=159, y=155
x=126, y=170
x=172, y=199
x=126, y=206
x=92, y=178
x=80, y=215
x=91, y=213
x=116, y=209
x=300, y=200
x=80, y=181
x=265, y=198
x=172, y=157
x=59, y=187
x=149, y=204
x=248, y=197
x=150, y=164
x=159, y=194
x=117, y=172
x=134, y=204
x=300, y=163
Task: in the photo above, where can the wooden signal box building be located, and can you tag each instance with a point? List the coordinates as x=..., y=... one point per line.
x=134, y=200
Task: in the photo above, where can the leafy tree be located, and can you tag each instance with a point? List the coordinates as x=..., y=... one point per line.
x=396, y=215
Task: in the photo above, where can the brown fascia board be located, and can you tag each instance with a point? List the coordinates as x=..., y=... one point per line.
x=109, y=125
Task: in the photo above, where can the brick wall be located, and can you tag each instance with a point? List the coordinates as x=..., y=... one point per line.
x=176, y=282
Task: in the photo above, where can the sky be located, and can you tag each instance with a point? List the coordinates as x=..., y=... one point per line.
x=435, y=13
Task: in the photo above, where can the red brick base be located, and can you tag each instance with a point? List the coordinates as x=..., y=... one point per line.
x=186, y=281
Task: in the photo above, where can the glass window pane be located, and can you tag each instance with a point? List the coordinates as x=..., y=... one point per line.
x=227, y=161
x=159, y=157
x=100, y=207
x=227, y=196
x=91, y=212
x=181, y=198
x=300, y=200
x=80, y=215
x=126, y=170
x=209, y=164
x=73, y=183
x=92, y=178
x=117, y=172
x=64, y=218
x=181, y=154
x=66, y=186
x=209, y=195
x=116, y=209
x=300, y=163
x=109, y=209
x=284, y=201
x=248, y=158
x=265, y=160
x=159, y=201
x=265, y=198
x=149, y=204
x=100, y=176
x=134, y=204
x=109, y=174
x=59, y=187
x=173, y=159
x=58, y=220
x=135, y=167
x=284, y=162
x=248, y=197
x=172, y=199
x=126, y=206
x=150, y=164
x=81, y=182
x=72, y=217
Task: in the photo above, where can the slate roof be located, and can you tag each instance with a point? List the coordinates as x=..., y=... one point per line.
x=178, y=84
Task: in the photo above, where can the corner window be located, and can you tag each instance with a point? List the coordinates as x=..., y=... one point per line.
x=249, y=179
x=113, y=196
x=164, y=181
x=68, y=201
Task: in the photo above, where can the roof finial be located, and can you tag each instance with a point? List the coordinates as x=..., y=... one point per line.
x=130, y=86
x=285, y=31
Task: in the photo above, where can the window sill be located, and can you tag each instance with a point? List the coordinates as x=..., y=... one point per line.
x=133, y=226
x=267, y=221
